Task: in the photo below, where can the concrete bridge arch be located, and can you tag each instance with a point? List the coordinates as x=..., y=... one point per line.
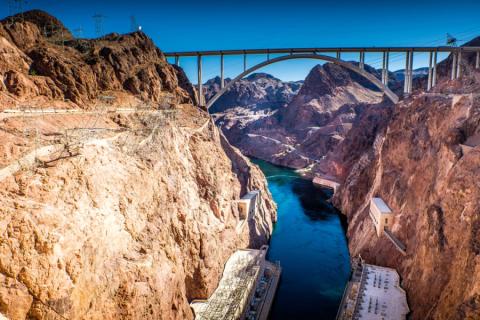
x=389, y=93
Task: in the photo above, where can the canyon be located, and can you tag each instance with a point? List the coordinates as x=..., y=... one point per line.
x=118, y=194
x=296, y=130
x=412, y=156
x=420, y=156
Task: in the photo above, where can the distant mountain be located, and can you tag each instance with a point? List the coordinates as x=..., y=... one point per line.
x=298, y=129
x=417, y=73
x=326, y=89
x=259, y=90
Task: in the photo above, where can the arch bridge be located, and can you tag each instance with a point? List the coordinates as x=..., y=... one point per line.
x=321, y=54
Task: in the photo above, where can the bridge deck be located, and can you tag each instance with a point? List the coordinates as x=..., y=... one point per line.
x=319, y=50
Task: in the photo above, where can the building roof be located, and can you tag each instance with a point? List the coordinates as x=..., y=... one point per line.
x=227, y=302
x=325, y=181
x=380, y=295
x=381, y=205
x=250, y=195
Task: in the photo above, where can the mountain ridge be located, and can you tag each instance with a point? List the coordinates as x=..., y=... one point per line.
x=291, y=135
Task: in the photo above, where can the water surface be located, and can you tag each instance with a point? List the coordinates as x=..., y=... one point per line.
x=309, y=241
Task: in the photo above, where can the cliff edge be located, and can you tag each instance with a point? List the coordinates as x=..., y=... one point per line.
x=422, y=157
x=118, y=196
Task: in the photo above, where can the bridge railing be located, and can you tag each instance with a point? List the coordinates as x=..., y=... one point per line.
x=456, y=53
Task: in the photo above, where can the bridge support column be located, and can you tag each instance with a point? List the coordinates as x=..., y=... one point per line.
x=177, y=61
x=391, y=95
x=430, y=71
x=386, y=55
x=244, y=62
x=434, y=75
x=406, y=73
x=410, y=75
x=387, y=64
x=222, y=76
x=477, y=60
x=338, y=55
x=362, y=60
x=383, y=67
x=459, y=64
x=201, y=101
x=454, y=66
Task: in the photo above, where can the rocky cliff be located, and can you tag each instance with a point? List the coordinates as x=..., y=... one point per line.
x=258, y=91
x=314, y=121
x=422, y=158
x=42, y=65
x=108, y=212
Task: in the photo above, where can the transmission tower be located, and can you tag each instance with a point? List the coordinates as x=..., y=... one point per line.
x=133, y=24
x=78, y=32
x=15, y=7
x=451, y=40
x=98, y=19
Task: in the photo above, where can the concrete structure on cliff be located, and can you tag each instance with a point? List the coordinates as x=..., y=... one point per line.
x=383, y=220
x=248, y=205
x=247, y=208
x=326, y=182
x=246, y=290
x=323, y=54
x=373, y=293
x=381, y=215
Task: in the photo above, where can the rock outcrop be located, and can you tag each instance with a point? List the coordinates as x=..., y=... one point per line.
x=43, y=65
x=125, y=213
x=258, y=91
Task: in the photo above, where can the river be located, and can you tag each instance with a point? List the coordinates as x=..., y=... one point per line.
x=309, y=241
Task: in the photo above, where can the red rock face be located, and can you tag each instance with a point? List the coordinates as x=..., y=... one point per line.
x=314, y=121
x=126, y=214
x=411, y=157
x=56, y=67
x=135, y=224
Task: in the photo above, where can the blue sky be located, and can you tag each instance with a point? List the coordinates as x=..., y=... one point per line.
x=202, y=25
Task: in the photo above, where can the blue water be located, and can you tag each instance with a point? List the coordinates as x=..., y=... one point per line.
x=309, y=241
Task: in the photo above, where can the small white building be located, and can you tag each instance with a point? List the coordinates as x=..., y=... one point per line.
x=248, y=204
x=326, y=182
x=381, y=215
x=247, y=208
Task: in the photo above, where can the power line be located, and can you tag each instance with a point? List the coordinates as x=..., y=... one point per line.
x=98, y=19
x=16, y=7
